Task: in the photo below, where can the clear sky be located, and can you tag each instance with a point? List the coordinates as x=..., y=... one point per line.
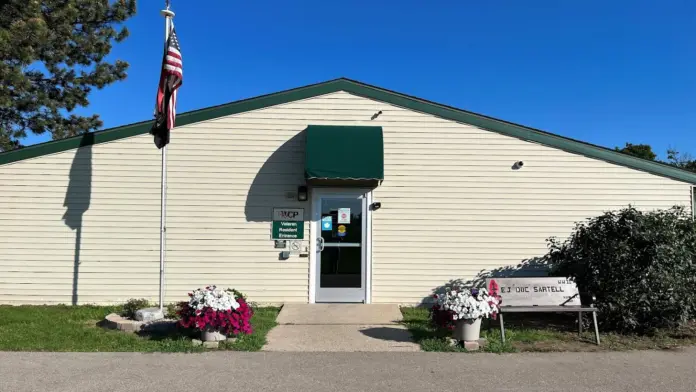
x=605, y=72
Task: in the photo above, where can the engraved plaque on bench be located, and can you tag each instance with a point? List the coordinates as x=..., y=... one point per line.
x=536, y=291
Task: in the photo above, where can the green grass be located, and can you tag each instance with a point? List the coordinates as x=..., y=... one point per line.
x=74, y=328
x=262, y=321
x=542, y=332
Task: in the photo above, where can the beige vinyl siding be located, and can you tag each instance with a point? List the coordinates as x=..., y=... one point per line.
x=90, y=214
x=451, y=206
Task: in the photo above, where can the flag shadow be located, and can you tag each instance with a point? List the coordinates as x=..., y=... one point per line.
x=77, y=201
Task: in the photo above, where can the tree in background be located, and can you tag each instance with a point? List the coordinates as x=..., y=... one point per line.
x=675, y=158
x=682, y=161
x=638, y=150
x=51, y=57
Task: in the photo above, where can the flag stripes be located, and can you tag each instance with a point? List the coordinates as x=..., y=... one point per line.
x=171, y=78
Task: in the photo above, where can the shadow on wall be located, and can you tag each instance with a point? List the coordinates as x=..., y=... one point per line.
x=534, y=267
x=77, y=200
x=279, y=176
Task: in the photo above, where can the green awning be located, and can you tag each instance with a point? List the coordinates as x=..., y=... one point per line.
x=344, y=153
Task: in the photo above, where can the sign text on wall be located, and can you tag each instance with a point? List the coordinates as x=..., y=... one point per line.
x=288, y=224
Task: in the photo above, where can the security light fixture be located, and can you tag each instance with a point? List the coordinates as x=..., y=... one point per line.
x=302, y=193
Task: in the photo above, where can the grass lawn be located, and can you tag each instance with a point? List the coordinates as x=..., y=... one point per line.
x=543, y=332
x=74, y=328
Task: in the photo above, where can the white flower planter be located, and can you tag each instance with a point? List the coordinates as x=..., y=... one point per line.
x=213, y=336
x=468, y=330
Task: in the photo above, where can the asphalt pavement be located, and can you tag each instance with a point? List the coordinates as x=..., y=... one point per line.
x=673, y=370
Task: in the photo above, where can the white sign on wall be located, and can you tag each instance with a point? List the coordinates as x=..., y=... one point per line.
x=344, y=215
x=288, y=214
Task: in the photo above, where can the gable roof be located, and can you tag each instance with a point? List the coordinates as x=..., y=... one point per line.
x=367, y=91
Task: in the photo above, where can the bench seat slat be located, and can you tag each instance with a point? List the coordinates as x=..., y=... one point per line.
x=539, y=309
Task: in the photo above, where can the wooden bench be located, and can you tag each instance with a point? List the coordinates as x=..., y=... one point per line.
x=535, y=295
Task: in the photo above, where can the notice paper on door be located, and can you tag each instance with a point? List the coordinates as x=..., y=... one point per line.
x=344, y=215
x=326, y=223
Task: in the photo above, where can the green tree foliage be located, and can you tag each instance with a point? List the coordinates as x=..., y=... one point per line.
x=638, y=150
x=682, y=161
x=674, y=157
x=52, y=54
x=640, y=266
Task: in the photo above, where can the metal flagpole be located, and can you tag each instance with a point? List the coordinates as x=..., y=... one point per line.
x=168, y=15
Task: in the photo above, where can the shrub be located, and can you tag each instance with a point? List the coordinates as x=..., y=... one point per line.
x=133, y=305
x=237, y=294
x=639, y=266
x=172, y=309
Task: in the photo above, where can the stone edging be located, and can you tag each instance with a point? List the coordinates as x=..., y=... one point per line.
x=116, y=321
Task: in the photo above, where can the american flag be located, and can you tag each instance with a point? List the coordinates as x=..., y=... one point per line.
x=171, y=77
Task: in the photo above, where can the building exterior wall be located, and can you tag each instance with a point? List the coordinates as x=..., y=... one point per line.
x=452, y=205
x=81, y=225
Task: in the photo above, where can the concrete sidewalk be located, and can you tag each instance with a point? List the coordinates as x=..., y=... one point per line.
x=636, y=371
x=339, y=328
x=339, y=314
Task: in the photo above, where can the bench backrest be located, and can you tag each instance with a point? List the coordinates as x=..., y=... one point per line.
x=536, y=291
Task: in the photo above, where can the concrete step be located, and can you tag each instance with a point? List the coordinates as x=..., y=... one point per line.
x=339, y=314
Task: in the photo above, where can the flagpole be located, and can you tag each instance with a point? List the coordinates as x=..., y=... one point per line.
x=168, y=15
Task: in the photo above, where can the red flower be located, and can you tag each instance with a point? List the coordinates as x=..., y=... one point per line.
x=227, y=321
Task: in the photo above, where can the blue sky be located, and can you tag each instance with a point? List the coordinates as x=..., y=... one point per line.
x=605, y=72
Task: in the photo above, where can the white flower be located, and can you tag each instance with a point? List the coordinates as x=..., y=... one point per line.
x=212, y=297
x=465, y=305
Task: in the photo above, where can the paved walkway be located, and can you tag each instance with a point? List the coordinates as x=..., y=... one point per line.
x=340, y=328
x=647, y=371
x=339, y=314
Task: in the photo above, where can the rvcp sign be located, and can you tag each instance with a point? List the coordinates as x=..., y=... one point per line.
x=288, y=214
x=288, y=224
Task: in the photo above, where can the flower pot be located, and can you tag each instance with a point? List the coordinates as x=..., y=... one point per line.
x=468, y=330
x=213, y=336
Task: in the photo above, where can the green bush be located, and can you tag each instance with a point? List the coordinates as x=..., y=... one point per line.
x=133, y=305
x=171, y=309
x=639, y=266
x=237, y=294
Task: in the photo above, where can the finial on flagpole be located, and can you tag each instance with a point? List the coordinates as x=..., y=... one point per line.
x=166, y=12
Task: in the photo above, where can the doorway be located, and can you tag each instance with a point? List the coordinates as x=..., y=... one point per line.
x=341, y=245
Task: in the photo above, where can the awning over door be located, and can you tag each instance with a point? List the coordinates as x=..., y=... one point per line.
x=344, y=153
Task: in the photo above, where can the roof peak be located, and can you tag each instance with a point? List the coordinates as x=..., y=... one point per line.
x=371, y=92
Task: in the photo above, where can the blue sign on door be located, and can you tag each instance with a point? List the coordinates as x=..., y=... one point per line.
x=326, y=223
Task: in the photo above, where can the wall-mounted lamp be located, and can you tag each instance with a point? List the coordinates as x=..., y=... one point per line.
x=302, y=193
x=375, y=206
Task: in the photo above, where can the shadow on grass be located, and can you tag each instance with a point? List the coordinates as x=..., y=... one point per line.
x=543, y=332
x=168, y=333
x=434, y=339
x=173, y=332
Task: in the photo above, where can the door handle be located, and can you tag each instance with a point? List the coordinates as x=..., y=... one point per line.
x=320, y=244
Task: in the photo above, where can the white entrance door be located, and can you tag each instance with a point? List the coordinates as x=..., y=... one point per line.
x=340, y=231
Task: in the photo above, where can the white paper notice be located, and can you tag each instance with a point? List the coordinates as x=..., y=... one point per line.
x=344, y=215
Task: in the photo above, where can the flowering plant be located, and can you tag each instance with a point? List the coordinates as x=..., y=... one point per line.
x=461, y=303
x=213, y=309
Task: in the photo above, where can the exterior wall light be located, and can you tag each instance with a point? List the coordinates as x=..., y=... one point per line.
x=302, y=193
